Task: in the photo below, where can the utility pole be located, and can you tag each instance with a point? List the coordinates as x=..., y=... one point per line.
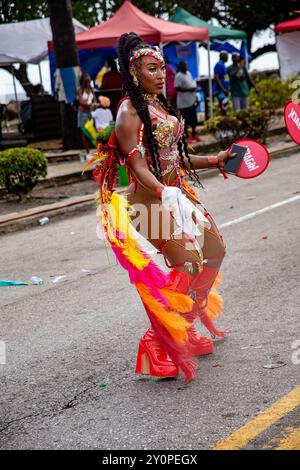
x=67, y=64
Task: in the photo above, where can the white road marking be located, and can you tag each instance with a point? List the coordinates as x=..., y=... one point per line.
x=260, y=211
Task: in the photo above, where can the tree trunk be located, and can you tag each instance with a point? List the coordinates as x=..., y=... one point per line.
x=21, y=75
x=263, y=50
x=60, y=12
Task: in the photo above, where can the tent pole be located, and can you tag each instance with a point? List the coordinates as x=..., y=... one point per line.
x=15, y=92
x=246, y=53
x=197, y=58
x=278, y=55
x=211, y=112
x=161, y=46
x=40, y=73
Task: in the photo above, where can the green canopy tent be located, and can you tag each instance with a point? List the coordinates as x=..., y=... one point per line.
x=215, y=33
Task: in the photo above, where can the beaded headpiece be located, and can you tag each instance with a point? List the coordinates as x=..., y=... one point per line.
x=147, y=51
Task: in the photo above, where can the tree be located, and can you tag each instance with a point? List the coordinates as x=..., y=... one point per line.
x=253, y=16
x=66, y=56
x=250, y=15
x=204, y=9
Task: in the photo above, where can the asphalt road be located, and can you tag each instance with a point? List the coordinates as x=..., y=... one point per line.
x=69, y=382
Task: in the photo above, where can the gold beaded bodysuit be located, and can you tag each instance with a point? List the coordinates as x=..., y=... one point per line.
x=167, y=130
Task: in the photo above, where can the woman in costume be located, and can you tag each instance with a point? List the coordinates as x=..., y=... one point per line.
x=149, y=141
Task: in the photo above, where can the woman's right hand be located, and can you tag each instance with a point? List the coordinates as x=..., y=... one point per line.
x=188, y=217
x=223, y=156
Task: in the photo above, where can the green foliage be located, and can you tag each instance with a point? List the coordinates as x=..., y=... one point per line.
x=22, y=10
x=20, y=169
x=252, y=122
x=253, y=15
x=274, y=93
x=104, y=135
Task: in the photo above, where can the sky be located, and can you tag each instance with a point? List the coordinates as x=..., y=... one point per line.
x=265, y=62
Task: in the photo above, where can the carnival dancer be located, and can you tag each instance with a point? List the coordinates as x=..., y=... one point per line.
x=149, y=140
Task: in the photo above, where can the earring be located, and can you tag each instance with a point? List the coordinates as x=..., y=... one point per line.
x=135, y=81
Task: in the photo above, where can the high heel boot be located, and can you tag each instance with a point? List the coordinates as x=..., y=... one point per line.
x=152, y=359
x=202, y=286
x=200, y=345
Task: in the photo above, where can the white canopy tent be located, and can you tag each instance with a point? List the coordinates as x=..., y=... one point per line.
x=26, y=42
x=288, y=47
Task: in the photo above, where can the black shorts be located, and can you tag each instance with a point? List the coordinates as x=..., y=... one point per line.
x=189, y=115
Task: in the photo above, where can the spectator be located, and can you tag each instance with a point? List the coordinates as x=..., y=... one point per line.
x=87, y=100
x=239, y=83
x=221, y=85
x=102, y=114
x=186, y=88
x=113, y=78
x=170, y=83
x=38, y=90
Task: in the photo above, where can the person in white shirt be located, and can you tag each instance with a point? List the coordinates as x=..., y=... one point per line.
x=102, y=115
x=186, y=88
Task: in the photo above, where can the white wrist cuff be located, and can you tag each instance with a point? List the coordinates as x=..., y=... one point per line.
x=183, y=210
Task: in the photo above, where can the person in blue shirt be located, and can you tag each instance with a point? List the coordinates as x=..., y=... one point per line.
x=221, y=84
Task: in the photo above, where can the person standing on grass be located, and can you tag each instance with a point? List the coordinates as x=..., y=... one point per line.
x=186, y=88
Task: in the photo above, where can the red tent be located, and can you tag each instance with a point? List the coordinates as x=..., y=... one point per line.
x=129, y=18
x=287, y=26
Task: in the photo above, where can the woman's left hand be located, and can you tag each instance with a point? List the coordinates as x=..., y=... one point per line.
x=223, y=156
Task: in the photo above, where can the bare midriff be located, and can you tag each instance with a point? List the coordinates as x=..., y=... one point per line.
x=167, y=130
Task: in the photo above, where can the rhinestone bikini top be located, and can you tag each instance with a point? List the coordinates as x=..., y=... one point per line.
x=164, y=133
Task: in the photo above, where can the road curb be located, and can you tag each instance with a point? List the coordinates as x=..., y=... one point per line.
x=76, y=205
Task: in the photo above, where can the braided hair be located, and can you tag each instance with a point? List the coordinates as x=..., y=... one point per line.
x=128, y=44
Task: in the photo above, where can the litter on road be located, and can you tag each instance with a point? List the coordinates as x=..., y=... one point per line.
x=12, y=283
x=275, y=365
x=43, y=221
x=58, y=279
x=35, y=280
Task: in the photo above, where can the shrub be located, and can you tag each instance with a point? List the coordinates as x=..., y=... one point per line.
x=252, y=122
x=20, y=169
x=273, y=93
x=105, y=134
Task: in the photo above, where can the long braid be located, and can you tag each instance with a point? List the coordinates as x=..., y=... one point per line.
x=127, y=44
x=182, y=146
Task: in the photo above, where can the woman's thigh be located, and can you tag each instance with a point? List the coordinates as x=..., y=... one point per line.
x=158, y=226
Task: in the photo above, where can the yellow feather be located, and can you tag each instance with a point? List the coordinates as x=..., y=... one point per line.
x=94, y=159
x=119, y=221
